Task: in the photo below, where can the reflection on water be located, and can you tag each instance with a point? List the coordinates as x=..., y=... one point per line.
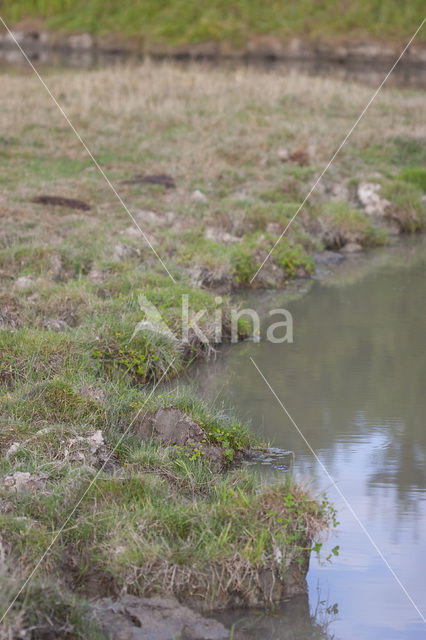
x=406, y=74
x=291, y=621
x=354, y=381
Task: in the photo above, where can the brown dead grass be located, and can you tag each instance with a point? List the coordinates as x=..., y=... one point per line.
x=237, y=112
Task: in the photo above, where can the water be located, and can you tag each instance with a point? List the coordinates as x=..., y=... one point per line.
x=354, y=381
x=406, y=74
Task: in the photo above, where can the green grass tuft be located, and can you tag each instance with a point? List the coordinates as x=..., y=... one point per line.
x=415, y=176
x=408, y=210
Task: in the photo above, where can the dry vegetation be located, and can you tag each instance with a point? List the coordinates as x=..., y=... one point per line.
x=72, y=377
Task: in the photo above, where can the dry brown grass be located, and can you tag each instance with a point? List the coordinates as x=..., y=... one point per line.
x=146, y=100
x=219, y=130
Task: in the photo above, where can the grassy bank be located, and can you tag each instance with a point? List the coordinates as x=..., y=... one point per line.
x=157, y=520
x=193, y=21
x=212, y=165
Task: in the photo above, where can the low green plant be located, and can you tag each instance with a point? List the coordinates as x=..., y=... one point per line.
x=32, y=356
x=395, y=152
x=407, y=208
x=145, y=359
x=292, y=257
x=244, y=264
x=58, y=401
x=415, y=176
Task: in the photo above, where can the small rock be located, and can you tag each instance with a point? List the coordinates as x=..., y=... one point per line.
x=81, y=41
x=6, y=506
x=172, y=426
x=301, y=49
x=95, y=393
x=368, y=195
x=339, y=191
x=351, y=247
x=3, y=555
x=24, y=282
x=95, y=441
x=283, y=155
x=124, y=252
x=274, y=227
x=14, y=447
x=10, y=318
x=97, y=276
x=157, y=618
x=151, y=218
x=132, y=231
x=198, y=196
x=23, y=481
x=90, y=450
x=218, y=235
x=56, y=268
x=54, y=324
x=241, y=196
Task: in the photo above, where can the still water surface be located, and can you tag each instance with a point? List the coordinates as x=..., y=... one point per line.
x=354, y=381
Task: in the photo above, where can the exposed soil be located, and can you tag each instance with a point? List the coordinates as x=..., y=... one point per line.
x=162, y=179
x=133, y=618
x=59, y=201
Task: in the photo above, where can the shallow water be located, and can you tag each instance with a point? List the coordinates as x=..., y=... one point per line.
x=354, y=381
x=405, y=75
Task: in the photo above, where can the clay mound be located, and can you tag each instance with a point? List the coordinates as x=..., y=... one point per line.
x=172, y=427
x=133, y=618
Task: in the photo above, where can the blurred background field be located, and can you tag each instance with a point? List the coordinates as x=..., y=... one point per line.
x=177, y=22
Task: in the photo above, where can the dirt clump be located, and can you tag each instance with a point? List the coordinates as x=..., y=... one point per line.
x=160, y=179
x=157, y=618
x=60, y=201
x=24, y=482
x=172, y=427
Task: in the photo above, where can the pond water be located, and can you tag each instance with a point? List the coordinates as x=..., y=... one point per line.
x=354, y=381
x=405, y=75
